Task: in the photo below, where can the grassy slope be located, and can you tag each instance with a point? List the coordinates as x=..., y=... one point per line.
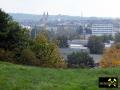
x=17, y=77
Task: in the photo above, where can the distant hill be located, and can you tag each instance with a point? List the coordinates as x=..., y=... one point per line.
x=22, y=17
x=30, y=19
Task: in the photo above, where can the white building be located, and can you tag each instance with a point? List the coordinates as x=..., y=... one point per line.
x=29, y=28
x=102, y=29
x=53, y=28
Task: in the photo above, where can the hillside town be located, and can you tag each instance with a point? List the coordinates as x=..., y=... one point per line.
x=76, y=30
x=59, y=45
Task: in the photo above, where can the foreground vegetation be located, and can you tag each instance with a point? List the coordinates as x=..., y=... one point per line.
x=17, y=46
x=17, y=77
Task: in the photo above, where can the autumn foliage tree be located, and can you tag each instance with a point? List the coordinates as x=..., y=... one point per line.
x=47, y=53
x=111, y=57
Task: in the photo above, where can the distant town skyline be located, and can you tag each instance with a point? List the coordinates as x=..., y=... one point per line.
x=87, y=8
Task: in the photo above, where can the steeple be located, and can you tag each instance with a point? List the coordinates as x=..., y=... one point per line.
x=81, y=14
x=47, y=14
x=44, y=19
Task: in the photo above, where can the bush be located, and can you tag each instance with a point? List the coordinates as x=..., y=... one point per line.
x=46, y=52
x=47, y=55
x=27, y=57
x=80, y=59
x=6, y=55
x=2, y=54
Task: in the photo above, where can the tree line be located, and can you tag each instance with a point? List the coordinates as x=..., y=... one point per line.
x=16, y=46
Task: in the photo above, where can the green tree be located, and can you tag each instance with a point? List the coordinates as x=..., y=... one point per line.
x=13, y=38
x=88, y=30
x=11, y=34
x=106, y=38
x=80, y=59
x=117, y=37
x=62, y=41
x=95, y=45
x=4, y=21
x=80, y=30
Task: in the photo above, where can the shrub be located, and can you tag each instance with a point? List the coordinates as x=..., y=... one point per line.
x=6, y=55
x=46, y=52
x=27, y=57
x=47, y=55
x=2, y=54
x=95, y=45
x=80, y=59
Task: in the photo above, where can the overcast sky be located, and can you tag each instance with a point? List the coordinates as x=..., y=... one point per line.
x=99, y=8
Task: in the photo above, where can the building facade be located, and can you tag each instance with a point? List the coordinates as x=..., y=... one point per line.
x=102, y=29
